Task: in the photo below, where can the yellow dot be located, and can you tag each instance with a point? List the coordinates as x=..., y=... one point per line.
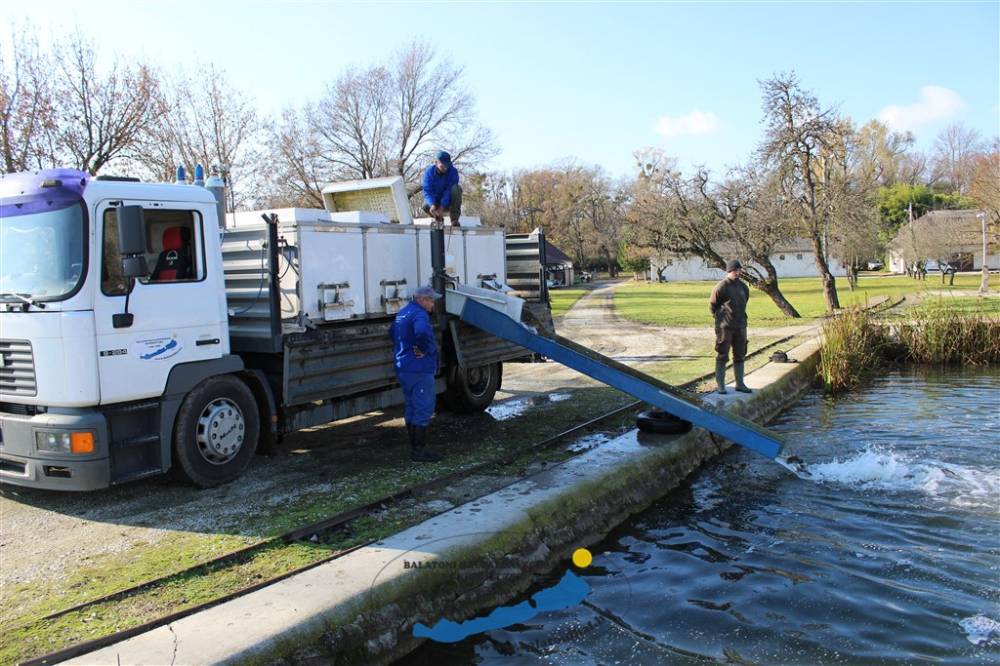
x=582, y=558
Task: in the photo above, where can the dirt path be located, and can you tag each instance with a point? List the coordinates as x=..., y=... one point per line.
x=592, y=323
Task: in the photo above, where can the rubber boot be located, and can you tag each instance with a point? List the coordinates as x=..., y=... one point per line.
x=738, y=371
x=420, y=452
x=720, y=376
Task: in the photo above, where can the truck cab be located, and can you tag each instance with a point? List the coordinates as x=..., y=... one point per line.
x=65, y=353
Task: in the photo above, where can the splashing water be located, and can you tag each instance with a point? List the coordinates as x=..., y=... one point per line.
x=880, y=468
x=980, y=629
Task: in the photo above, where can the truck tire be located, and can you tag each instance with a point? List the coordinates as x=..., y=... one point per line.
x=216, y=432
x=472, y=389
x=659, y=421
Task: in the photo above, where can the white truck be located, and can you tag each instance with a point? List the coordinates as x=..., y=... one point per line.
x=140, y=331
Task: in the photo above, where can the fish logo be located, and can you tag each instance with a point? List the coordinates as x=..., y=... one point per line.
x=158, y=349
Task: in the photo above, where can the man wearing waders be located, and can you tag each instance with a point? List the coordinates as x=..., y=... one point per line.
x=416, y=360
x=729, y=307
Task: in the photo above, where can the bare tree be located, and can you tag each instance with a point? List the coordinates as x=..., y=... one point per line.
x=914, y=169
x=887, y=158
x=494, y=196
x=295, y=156
x=353, y=123
x=98, y=115
x=434, y=109
x=867, y=159
x=390, y=119
x=984, y=187
x=805, y=146
x=25, y=102
x=204, y=120
x=694, y=217
x=607, y=204
x=955, y=150
x=985, y=191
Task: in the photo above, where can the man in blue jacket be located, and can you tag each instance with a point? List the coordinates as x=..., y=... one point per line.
x=416, y=360
x=442, y=193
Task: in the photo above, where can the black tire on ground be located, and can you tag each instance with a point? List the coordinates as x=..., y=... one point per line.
x=658, y=421
x=216, y=432
x=472, y=389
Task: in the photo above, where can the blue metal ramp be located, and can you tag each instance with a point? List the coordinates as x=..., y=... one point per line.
x=499, y=321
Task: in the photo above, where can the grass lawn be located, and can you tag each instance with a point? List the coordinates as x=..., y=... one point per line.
x=686, y=303
x=562, y=299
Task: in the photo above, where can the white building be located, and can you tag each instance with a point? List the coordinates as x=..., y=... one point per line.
x=954, y=236
x=792, y=259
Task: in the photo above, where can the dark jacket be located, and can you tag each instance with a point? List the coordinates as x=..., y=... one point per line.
x=437, y=186
x=729, y=303
x=413, y=330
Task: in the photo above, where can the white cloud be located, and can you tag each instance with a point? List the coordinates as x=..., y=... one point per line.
x=936, y=103
x=692, y=124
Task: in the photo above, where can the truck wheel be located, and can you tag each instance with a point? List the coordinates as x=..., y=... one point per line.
x=216, y=432
x=472, y=389
x=659, y=421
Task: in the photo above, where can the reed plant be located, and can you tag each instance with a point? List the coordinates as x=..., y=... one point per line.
x=854, y=347
x=857, y=344
x=939, y=334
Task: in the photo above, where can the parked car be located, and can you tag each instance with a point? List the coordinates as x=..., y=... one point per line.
x=552, y=284
x=932, y=266
x=586, y=276
x=874, y=265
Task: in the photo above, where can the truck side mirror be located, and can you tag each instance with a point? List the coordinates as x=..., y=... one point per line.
x=132, y=241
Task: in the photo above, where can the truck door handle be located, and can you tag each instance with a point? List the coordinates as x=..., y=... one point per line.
x=210, y=341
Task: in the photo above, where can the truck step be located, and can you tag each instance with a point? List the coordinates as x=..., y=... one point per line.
x=125, y=407
x=139, y=440
x=138, y=474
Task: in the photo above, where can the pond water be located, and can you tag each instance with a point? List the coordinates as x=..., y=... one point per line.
x=890, y=554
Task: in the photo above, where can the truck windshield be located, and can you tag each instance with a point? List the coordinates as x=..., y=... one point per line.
x=41, y=253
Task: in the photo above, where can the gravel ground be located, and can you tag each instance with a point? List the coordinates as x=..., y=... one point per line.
x=45, y=537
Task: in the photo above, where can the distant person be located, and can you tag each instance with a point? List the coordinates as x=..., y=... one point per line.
x=728, y=305
x=416, y=361
x=442, y=193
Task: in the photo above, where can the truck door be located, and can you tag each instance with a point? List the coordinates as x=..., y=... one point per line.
x=176, y=309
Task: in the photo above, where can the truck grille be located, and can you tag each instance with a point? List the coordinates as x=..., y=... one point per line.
x=17, y=368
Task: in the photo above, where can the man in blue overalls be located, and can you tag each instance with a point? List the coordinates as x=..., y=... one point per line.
x=416, y=359
x=442, y=193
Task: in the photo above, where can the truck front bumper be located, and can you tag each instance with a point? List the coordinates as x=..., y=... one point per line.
x=22, y=464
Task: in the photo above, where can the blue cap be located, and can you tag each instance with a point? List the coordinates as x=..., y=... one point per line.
x=426, y=292
x=444, y=157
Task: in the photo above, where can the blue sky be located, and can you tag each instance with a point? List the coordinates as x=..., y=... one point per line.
x=591, y=81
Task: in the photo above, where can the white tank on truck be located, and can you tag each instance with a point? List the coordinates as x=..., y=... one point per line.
x=140, y=333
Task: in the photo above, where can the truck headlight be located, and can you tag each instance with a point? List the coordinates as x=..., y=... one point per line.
x=64, y=441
